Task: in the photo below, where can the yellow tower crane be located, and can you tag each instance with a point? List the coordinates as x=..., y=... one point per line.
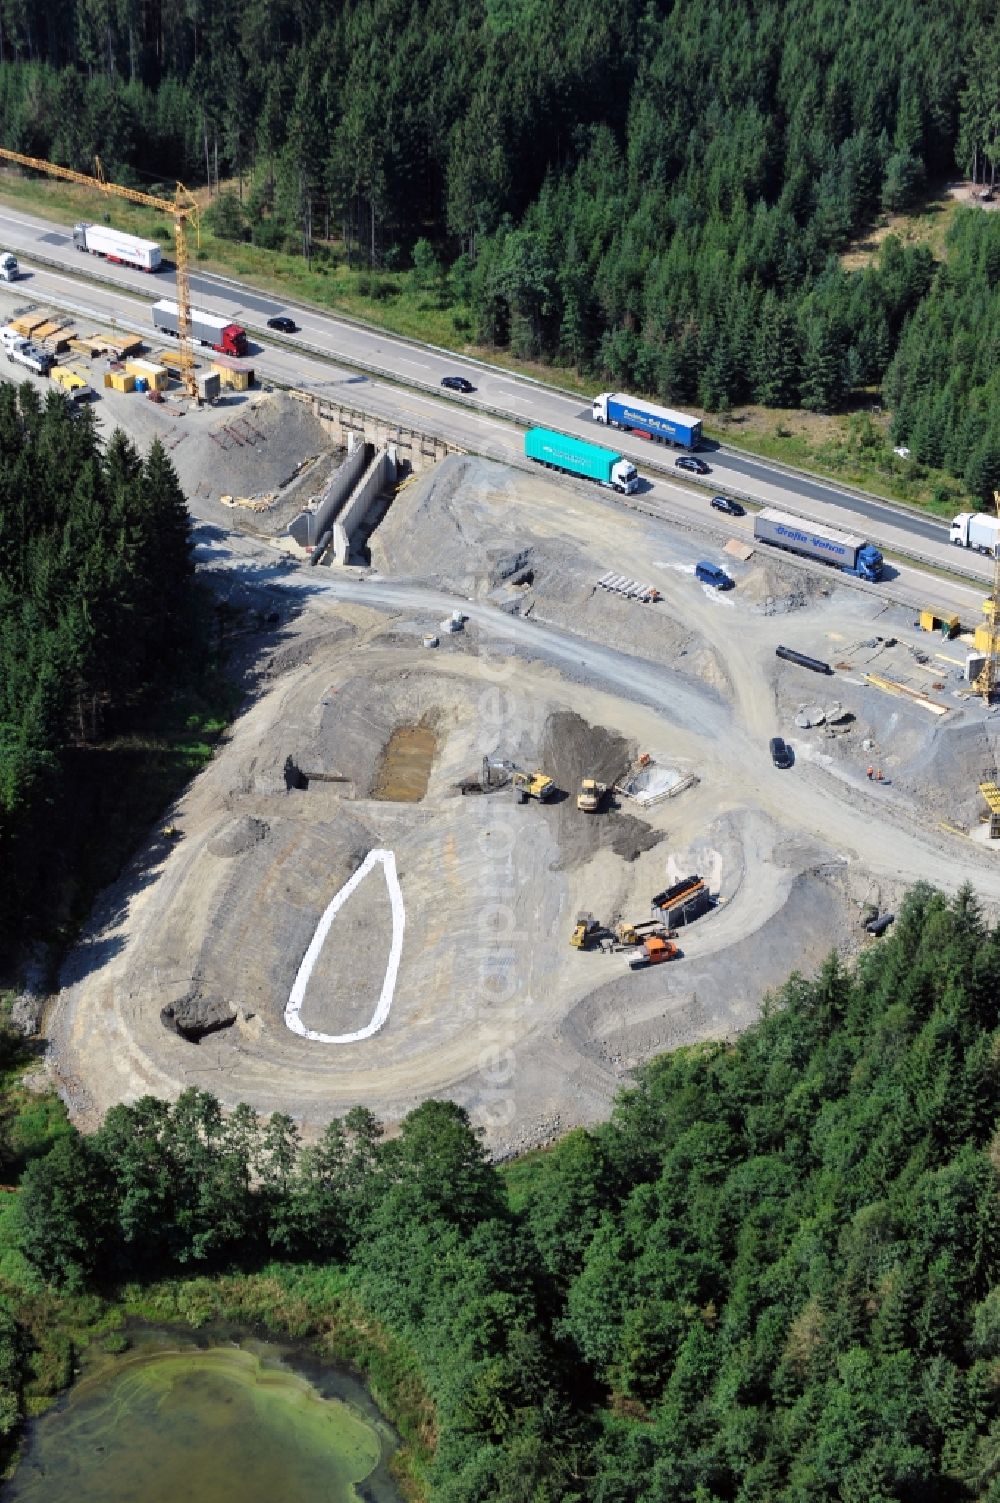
x=988, y=677
x=183, y=210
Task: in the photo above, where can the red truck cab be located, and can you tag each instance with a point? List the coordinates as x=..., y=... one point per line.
x=234, y=341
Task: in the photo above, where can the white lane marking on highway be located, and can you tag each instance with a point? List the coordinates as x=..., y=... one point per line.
x=109, y=294
x=296, y=997
x=480, y=422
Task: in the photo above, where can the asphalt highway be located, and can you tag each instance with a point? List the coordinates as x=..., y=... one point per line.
x=400, y=380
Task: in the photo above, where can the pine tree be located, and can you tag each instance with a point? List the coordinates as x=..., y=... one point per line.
x=823, y=374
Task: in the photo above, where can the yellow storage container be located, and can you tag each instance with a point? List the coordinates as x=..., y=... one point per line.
x=236, y=377
x=948, y=626
x=67, y=378
x=122, y=381
x=154, y=375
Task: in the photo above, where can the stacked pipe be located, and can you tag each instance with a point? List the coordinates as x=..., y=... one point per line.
x=632, y=589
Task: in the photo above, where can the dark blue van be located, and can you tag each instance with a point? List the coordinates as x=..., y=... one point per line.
x=710, y=575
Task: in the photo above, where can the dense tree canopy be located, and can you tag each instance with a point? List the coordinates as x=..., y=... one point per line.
x=95, y=580
x=653, y=192
x=773, y=1274
x=944, y=381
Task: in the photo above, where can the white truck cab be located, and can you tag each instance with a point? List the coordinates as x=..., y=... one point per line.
x=625, y=477
x=9, y=271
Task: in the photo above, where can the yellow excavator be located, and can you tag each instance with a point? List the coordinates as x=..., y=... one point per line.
x=533, y=785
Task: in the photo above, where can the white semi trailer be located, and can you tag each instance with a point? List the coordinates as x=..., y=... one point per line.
x=115, y=245
x=975, y=530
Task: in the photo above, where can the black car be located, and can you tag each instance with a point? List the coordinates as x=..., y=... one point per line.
x=731, y=508
x=781, y=752
x=696, y=466
x=283, y=325
x=457, y=383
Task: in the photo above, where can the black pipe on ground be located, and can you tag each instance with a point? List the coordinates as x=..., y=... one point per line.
x=791, y=656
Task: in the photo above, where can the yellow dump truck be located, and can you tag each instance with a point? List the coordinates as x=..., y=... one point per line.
x=591, y=795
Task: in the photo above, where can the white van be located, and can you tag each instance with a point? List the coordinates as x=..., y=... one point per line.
x=8, y=267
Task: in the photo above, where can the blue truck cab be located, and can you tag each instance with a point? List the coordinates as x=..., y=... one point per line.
x=869, y=564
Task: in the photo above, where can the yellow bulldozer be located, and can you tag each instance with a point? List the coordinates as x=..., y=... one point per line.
x=587, y=932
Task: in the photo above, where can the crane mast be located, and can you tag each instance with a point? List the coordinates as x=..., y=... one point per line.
x=989, y=675
x=183, y=211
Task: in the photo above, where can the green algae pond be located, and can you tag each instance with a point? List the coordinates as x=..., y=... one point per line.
x=207, y=1419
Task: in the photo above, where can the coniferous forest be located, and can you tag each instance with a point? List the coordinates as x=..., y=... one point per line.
x=656, y=193
x=772, y=1275
x=97, y=620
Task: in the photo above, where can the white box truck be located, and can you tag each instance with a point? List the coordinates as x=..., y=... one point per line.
x=115, y=245
x=8, y=267
x=975, y=530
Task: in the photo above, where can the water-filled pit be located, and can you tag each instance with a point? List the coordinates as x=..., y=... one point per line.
x=220, y=1419
x=405, y=766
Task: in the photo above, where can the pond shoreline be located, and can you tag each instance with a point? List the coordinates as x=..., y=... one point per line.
x=241, y=1411
x=303, y=1307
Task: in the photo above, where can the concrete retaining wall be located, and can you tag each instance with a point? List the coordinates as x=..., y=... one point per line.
x=380, y=474
x=309, y=526
x=415, y=451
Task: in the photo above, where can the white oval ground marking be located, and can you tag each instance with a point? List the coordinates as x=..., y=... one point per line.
x=296, y=997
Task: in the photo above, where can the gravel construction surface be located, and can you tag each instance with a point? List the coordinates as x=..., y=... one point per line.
x=184, y=975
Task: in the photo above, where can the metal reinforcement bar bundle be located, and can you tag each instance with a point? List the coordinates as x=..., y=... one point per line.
x=791, y=656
